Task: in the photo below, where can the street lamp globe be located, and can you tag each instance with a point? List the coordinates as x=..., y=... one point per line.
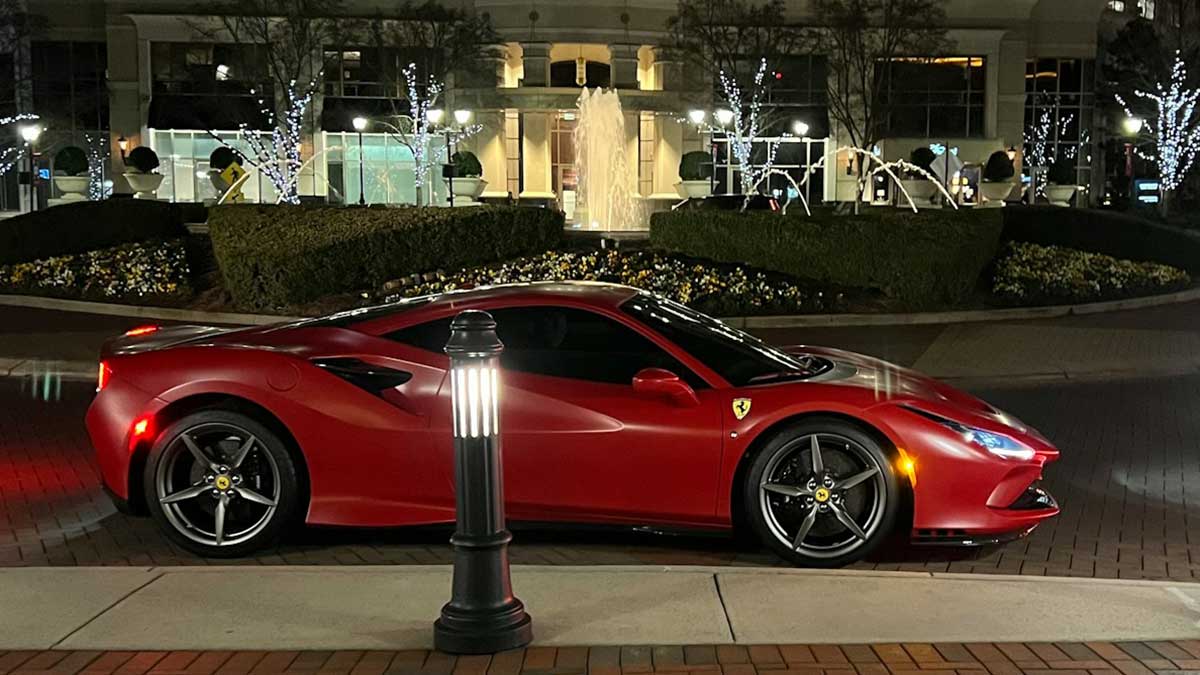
x=800, y=128
x=724, y=116
x=1133, y=125
x=435, y=115
x=360, y=124
x=462, y=116
x=31, y=132
x=697, y=116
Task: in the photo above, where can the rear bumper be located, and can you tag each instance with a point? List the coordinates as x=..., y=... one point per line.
x=109, y=424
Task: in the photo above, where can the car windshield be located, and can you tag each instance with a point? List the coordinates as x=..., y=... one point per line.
x=739, y=357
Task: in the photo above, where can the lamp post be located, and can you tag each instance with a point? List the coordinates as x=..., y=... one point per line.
x=483, y=616
x=1132, y=127
x=30, y=134
x=360, y=125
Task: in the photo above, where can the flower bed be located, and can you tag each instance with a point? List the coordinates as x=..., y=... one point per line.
x=723, y=290
x=1031, y=274
x=155, y=269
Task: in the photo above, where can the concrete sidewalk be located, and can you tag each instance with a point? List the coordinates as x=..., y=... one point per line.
x=393, y=608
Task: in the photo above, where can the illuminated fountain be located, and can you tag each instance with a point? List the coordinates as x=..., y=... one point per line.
x=606, y=188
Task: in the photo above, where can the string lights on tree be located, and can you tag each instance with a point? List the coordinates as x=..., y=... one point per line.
x=1174, y=127
x=97, y=154
x=277, y=153
x=10, y=155
x=422, y=130
x=743, y=128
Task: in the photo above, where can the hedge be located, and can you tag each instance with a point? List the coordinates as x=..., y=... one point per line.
x=925, y=260
x=155, y=269
x=87, y=226
x=1107, y=232
x=279, y=255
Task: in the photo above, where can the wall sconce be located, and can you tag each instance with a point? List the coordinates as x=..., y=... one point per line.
x=123, y=144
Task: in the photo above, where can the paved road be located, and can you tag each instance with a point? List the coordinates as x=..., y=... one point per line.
x=1129, y=482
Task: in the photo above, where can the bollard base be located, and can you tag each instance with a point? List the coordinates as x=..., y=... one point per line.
x=487, y=631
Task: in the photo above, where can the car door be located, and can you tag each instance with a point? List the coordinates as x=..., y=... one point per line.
x=579, y=442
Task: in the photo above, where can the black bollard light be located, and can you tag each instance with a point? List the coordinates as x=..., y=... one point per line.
x=483, y=616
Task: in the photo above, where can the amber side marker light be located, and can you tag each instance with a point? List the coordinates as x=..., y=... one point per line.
x=143, y=428
x=140, y=330
x=907, y=467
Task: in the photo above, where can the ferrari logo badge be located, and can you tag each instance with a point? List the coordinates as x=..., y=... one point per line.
x=821, y=495
x=741, y=407
x=223, y=482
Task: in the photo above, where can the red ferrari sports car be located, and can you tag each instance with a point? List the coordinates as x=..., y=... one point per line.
x=619, y=407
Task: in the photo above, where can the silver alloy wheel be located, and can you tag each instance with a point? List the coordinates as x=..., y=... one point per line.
x=823, y=495
x=217, y=485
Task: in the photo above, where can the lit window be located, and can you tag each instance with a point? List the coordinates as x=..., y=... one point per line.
x=1116, y=5
x=1146, y=8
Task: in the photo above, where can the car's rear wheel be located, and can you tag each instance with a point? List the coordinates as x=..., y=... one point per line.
x=821, y=493
x=221, y=484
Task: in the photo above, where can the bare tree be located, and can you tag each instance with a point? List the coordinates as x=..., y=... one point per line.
x=732, y=37
x=862, y=40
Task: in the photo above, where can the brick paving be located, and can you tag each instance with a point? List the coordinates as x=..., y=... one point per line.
x=1129, y=482
x=1127, y=658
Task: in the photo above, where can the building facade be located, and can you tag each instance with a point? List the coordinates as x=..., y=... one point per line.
x=140, y=71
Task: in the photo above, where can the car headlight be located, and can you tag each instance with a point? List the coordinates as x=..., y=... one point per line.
x=997, y=444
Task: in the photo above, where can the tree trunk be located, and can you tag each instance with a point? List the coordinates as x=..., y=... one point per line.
x=1164, y=203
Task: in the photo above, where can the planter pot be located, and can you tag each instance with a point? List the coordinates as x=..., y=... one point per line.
x=694, y=189
x=73, y=188
x=1060, y=195
x=469, y=187
x=144, y=184
x=994, y=194
x=922, y=192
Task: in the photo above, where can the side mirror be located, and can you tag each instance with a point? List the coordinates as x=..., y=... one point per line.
x=665, y=383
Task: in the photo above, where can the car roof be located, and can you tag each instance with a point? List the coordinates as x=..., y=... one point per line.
x=594, y=293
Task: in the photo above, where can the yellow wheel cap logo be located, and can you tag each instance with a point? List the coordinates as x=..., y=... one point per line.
x=223, y=482
x=821, y=495
x=741, y=407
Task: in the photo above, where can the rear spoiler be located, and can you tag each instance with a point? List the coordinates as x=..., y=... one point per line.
x=141, y=340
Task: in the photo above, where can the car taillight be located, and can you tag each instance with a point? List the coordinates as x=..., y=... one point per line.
x=103, y=376
x=140, y=330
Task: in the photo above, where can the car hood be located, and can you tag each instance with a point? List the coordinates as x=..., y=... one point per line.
x=896, y=384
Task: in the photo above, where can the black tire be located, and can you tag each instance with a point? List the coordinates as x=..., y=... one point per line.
x=267, y=472
x=846, y=450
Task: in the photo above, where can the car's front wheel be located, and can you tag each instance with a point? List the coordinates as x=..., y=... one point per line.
x=821, y=493
x=221, y=484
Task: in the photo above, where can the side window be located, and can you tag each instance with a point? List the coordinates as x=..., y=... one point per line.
x=578, y=344
x=561, y=342
x=430, y=336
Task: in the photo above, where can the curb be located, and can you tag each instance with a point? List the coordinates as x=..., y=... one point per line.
x=783, y=321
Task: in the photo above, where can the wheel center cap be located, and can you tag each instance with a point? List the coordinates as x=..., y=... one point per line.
x=821, y=495
x=223, y=482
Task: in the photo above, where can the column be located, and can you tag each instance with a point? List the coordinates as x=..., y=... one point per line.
x=667, y=153
x=668, y=71
x=535, y=156
x=489, y=146
x=536, y=56
x=624, y=63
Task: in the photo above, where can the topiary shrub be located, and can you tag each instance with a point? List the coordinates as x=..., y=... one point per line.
x=925, y=259
x=1062, y=172
x=695, y=165
x=71, y=161
x=87, y=226
x=466, y=164
x=923, y=157
x=999, y=168
x=277, y=255
x=142, y=159
x=223, y=157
